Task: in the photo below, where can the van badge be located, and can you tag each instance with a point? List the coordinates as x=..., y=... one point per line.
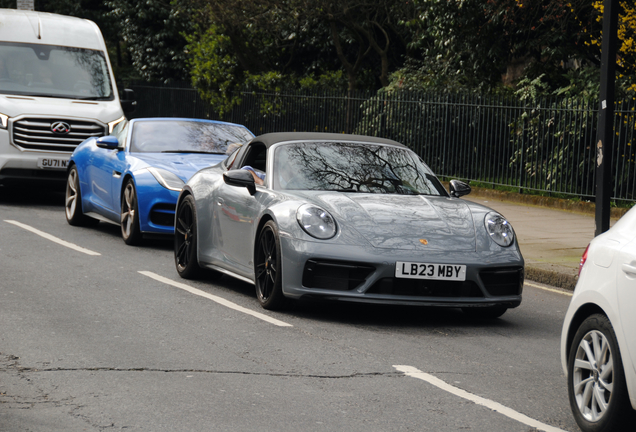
x=60, y=128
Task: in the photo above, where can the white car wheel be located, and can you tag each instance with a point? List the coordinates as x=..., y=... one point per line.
x=596, y=381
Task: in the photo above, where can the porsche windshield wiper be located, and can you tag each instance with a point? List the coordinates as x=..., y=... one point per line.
x=342, y=190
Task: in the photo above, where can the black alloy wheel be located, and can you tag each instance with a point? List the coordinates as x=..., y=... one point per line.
x=267, y=268
x=185, y=240
x=130, y=230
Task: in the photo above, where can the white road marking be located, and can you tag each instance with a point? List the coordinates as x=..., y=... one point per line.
x=564, y=292
x=497, y=407
x=216, y=299
x=53, y=238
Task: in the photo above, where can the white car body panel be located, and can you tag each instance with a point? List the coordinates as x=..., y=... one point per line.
x=604, y=285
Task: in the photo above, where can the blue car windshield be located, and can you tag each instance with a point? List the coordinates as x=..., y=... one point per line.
x=183, y=136
x=353, y=167
x=54, y=71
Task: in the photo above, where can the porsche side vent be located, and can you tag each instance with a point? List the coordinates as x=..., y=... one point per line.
x=163, y=214
x=425, y=288
x=505, y=281
x=335, y=275
x=54, y=134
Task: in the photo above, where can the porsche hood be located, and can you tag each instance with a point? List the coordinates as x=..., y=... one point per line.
x=404, y=222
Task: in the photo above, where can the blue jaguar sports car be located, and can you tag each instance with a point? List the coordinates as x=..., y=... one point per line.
x=134, y=176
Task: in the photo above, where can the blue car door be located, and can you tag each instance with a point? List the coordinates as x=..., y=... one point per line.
x=119, y=167
x=99, y=178
x=104, y=169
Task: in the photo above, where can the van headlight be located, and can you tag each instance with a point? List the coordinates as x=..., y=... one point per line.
x=4, y=121
x=499, y=229
x=316, y=222
x=114, y=123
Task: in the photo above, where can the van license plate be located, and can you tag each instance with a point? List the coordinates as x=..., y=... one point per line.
x=411, y=270
x=52, y=163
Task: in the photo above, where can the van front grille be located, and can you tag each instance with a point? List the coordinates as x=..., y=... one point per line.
x=49, y=134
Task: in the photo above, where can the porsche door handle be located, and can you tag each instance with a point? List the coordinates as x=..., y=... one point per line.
x=629, y=269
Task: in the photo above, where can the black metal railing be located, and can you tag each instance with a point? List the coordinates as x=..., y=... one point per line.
x=544, y=145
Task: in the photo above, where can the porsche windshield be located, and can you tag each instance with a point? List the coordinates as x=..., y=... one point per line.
x=182, y=136
x=352, y=167
x=54, y=71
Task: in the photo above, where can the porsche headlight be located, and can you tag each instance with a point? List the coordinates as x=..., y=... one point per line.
x=316, y=222
x=499, y=229
x=167, y=179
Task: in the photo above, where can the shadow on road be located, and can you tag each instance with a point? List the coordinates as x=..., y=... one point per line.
x=32, y=194
x=373, y=316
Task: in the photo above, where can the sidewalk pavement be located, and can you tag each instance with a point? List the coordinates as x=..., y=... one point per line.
x=552, y=240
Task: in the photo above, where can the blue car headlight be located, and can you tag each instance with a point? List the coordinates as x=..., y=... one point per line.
x=316, y=222
x=167, y=179
x=499, y=229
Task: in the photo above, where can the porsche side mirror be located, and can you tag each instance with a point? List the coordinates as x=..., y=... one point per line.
x=459, y=188
x=240, y=178
x=107, y=142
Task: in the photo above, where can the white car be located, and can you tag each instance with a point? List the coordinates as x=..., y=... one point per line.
x=598, y=340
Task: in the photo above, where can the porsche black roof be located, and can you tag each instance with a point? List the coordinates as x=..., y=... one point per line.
x=273, y=138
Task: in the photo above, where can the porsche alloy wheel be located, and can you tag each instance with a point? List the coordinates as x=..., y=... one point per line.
x=267, y=267
x=596, y=381
x=73, y=202
x=185, y=240
x=130, y=231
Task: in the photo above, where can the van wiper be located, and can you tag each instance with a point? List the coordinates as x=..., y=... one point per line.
x=93, y=98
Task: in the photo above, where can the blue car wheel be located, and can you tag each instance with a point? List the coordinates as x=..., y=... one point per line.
x=73, y=202
x=130, y=231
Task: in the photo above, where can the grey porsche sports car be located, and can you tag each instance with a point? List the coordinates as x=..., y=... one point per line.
x=349, y=218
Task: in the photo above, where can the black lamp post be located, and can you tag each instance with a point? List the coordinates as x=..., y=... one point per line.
x=605, y=132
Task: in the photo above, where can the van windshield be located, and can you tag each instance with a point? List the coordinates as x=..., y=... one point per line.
x=54, y=71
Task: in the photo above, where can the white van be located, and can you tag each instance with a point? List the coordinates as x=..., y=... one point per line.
x=56, y=90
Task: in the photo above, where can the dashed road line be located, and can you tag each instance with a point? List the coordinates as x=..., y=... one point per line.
x=216, y=299
x=495, y=406
x=53, y=238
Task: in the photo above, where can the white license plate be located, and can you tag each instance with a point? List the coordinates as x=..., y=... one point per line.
x=411, y=270
x=52, y=163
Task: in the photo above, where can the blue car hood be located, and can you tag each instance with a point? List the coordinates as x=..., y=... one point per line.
x=183, y=165
x=402, y=221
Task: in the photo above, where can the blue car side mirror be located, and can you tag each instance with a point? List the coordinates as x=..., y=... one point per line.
x=107, y=142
